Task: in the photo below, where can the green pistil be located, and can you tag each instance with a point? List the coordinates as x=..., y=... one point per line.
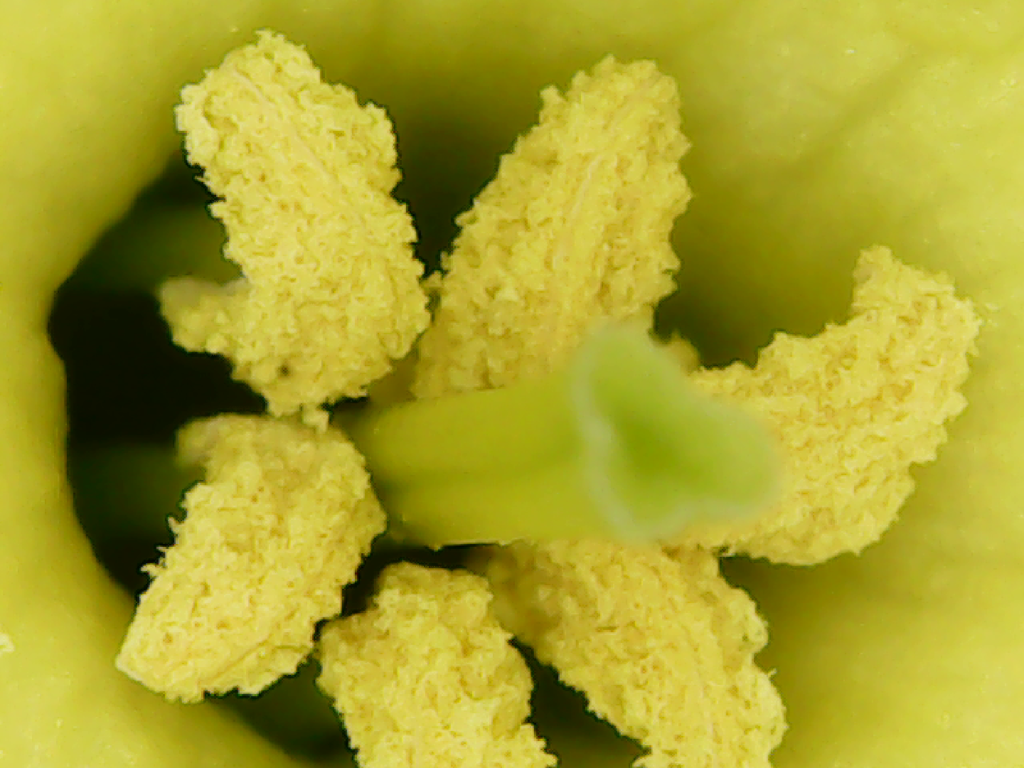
x=616, y=444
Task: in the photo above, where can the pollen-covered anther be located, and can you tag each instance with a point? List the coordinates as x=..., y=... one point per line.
x=853, y=408
x=661, y=648
x=426, y=678
x=330, y=293
x=270, y=538
x=573, y=230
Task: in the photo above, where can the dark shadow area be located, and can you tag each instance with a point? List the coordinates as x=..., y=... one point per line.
x=386, y=552
x=129, y=389
x=444, y=166
x=296, y=716
x=561, y=717
x=126, y=380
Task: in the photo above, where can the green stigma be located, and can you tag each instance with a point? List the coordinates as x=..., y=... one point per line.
x=615, y=444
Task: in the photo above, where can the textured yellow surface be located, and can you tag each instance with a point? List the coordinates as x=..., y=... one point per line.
x=427, y=678
x=277, y=529
x=853, y=408
x=331, y=291
x=573, y=229
x=662, y=648
x=821, y=128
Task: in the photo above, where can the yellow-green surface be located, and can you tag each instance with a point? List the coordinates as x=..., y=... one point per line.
x=817, y=129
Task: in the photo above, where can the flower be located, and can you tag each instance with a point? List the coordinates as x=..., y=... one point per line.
x=906, y=655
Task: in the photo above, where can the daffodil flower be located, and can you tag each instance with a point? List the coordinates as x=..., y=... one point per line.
x=822, y=133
